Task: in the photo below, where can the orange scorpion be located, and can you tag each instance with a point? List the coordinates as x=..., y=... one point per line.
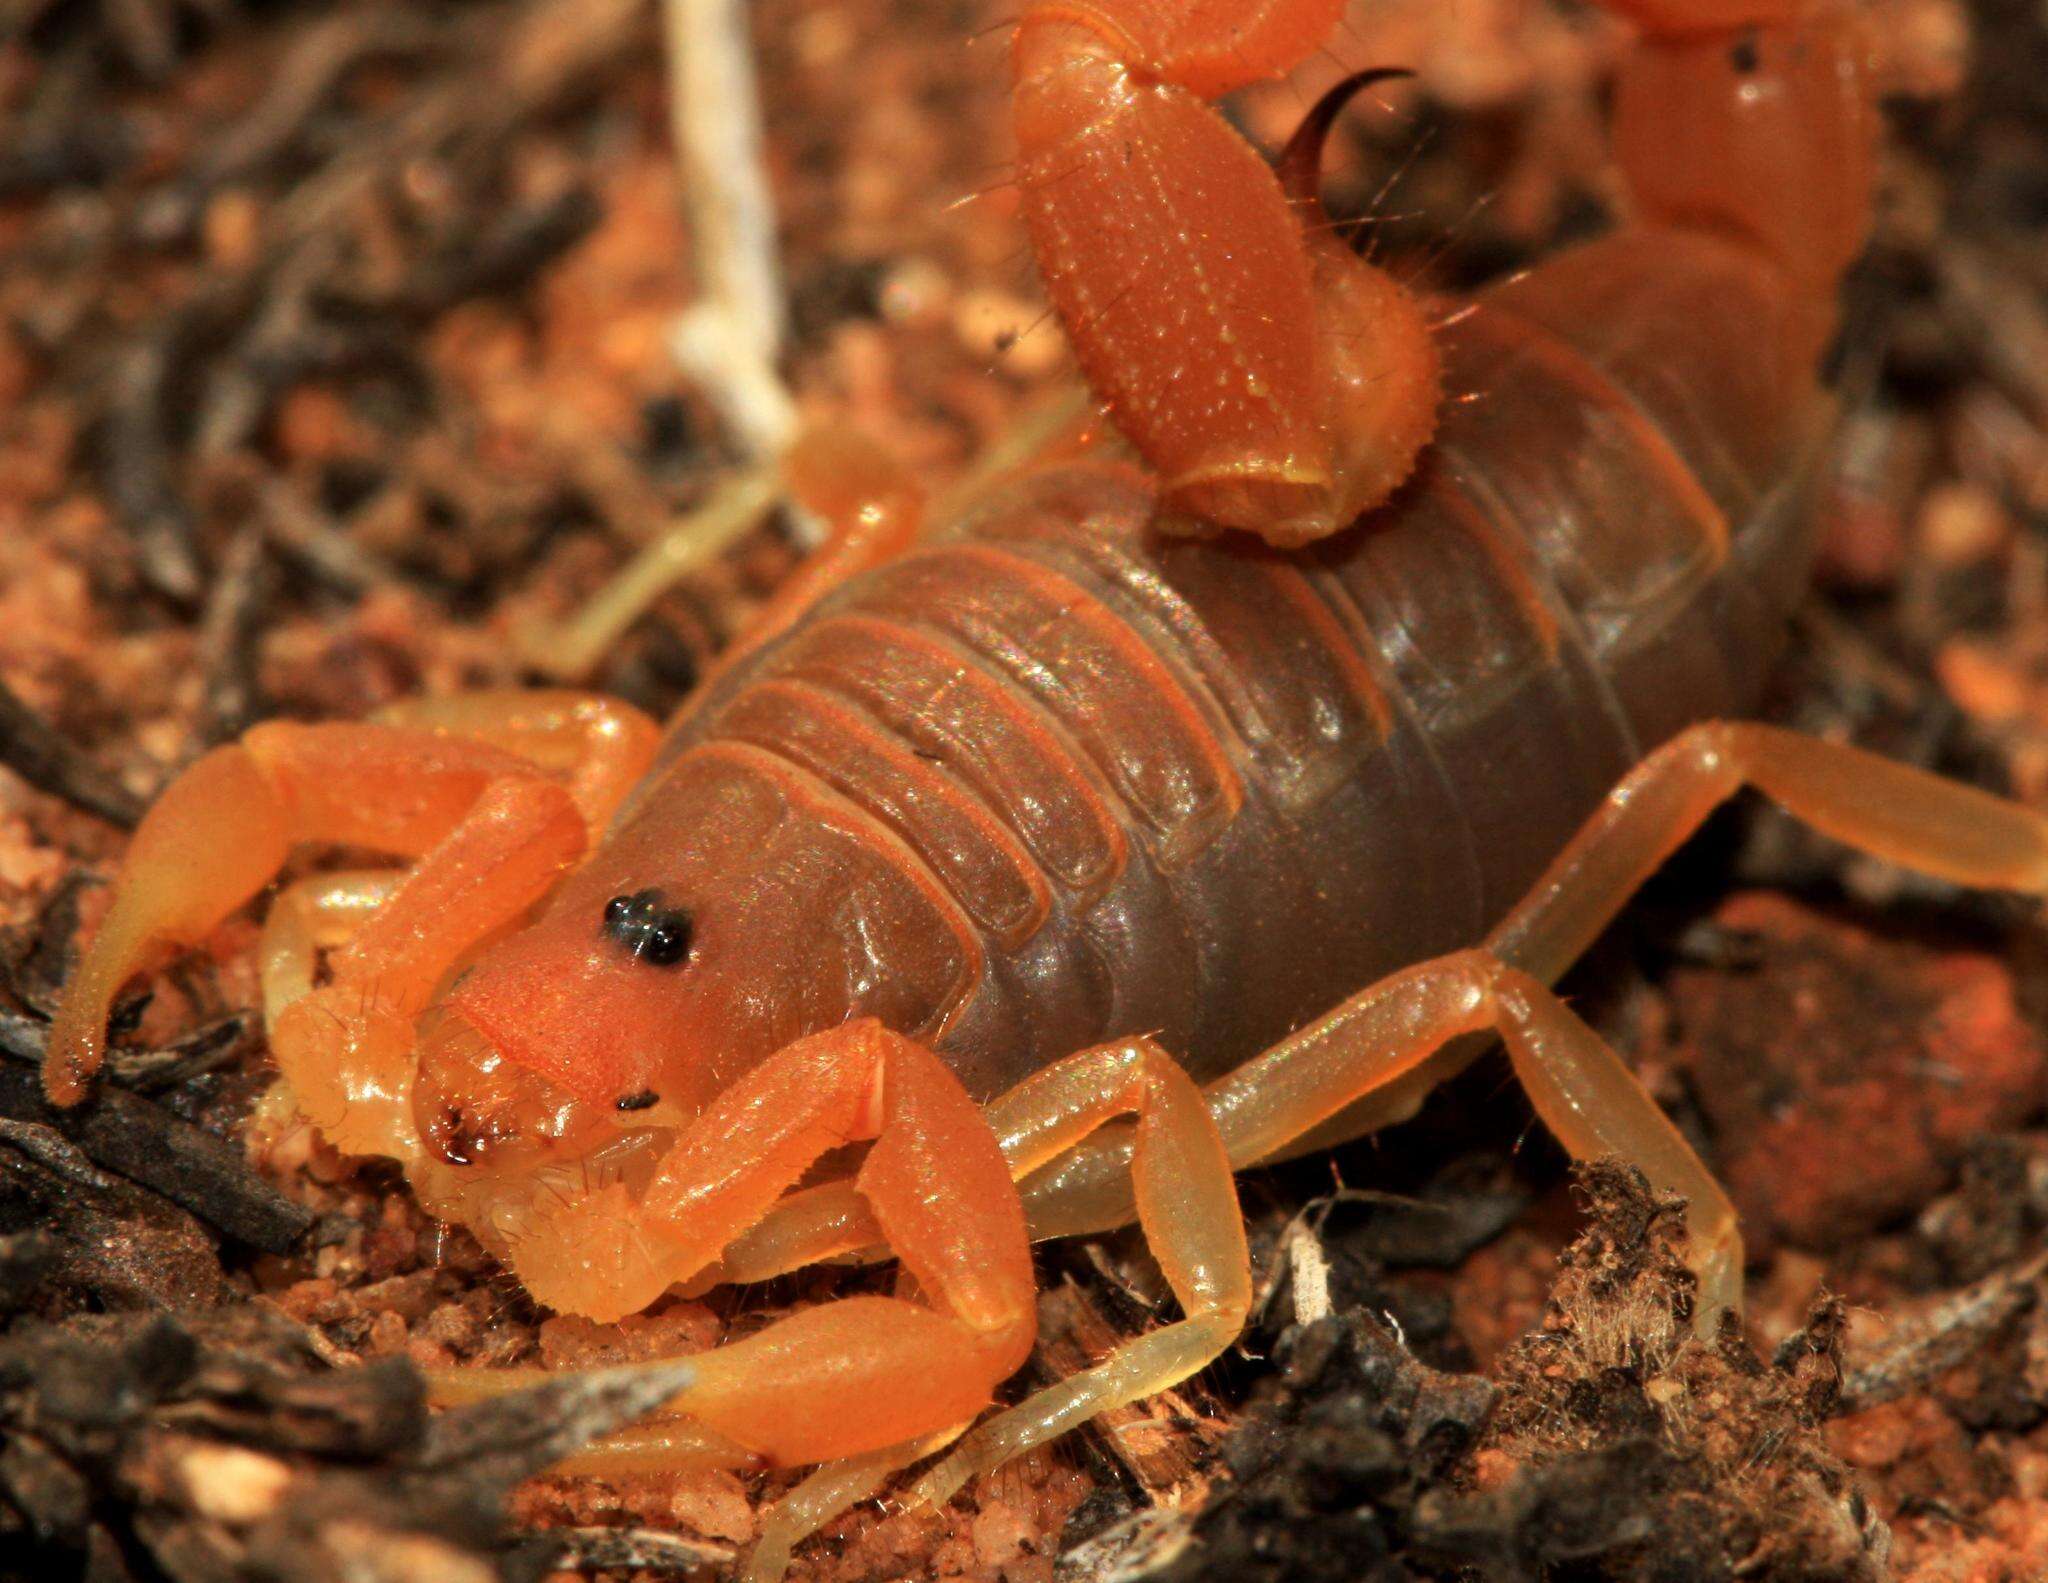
x=1262, y=830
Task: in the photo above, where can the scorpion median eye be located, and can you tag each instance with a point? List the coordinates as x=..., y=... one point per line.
x=654, y=933
x=646, y=1099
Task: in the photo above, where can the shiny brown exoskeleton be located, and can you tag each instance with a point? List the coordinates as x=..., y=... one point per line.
x=1260, y=832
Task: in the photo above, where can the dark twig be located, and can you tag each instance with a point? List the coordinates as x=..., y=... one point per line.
x=207, y=1048
x=316, y=543
x=42, y=955
x=235, y=608
x=138, y=475
x=126, y=1133
x=504, y=256
x=125, y=1246
x=34, y=751
x=515, y=1436
x=305, y=81
x=1920, y=1350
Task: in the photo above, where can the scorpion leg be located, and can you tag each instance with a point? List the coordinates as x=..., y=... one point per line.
x=848, y=1377
x=597, y=746
x=871, y=507
x=347, y=1048
x=837, y=1487
x=1187, y=1205
x=1903, y=815
x=223, y=828
x=312, y=915
x=1383, y=1037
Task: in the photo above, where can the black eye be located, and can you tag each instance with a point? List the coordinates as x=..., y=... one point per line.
x=1744, y=54
x=646, y=1099
x=654, y=932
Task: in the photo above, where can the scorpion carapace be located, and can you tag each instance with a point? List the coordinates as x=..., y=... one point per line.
x=1066, y=779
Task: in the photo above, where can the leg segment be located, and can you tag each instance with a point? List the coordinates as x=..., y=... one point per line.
x=1903, y=815
x=834, y=1488
x=222, y=830
x=598, y=747
x=1187, y=1204
x=848, y=1377
x=872, y=509
x=1385, y=1035
x=314, y=915
x=1146, y=210
x=347, y=1048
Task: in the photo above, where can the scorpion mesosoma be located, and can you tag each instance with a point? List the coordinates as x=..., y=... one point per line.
x=1076, y=777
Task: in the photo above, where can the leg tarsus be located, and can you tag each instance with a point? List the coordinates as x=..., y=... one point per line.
x=834, y=1488
x=1187, y=1205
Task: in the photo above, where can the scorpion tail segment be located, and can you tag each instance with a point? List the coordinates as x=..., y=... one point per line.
x=215, y=837
x=1177, y=270
x=1755, y=120
x=1275, y=382
x=843, y=1378
x=1208, y=47
x=1384, y=374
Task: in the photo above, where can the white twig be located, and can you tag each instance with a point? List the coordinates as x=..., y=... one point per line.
x=729, y=340
x=1310, y=1267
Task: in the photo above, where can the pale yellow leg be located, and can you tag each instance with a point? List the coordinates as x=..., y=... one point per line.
x=835, y=1488
x=313, y=915
x=1187, y=1205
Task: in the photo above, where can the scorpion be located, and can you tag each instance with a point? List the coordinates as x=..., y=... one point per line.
x=1206, y=791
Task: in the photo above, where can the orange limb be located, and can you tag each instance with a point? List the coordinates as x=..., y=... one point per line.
x=844, y=1378
x=347, y=1048
x=881, y=1382
x=872, y=508
x=596, y=746
x=490, y=827
x=1229, y=333
x=1187, y=1205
